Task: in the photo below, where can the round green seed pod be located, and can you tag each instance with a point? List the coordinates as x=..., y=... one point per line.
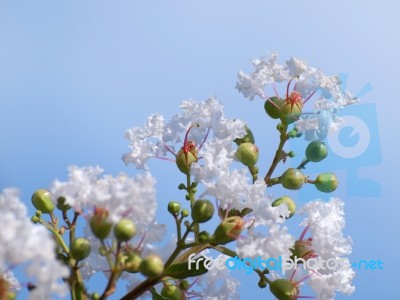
x=100, y=225
x=202, y=211
x=41, y=200
x=132, y=262
x=273, y=107
x=80, y=248
x=174, y=207
x=316, y=151
x=247, y=154
x=326, y=182
x=292, y=179
x=172, y=292
x=284, y=289
x=152, y=266
x=124, y=230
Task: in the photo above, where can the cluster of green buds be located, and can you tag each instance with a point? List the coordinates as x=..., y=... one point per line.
x=247, y=152
x=293, y=178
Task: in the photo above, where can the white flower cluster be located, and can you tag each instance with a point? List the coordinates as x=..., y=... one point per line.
x=122, y=196
x=23, y=243
x=326, y=222
x=307, y=80
x=156, y=136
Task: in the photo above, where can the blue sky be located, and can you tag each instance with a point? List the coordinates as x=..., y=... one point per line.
x=75, y=75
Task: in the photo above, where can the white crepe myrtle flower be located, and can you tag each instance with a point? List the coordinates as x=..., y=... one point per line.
x=277, y=242
x=327, y=284
x=326, y=222
x=307, y=81
x=157, y=137
x=121, y=196
x=218, y=284
x=23, y=243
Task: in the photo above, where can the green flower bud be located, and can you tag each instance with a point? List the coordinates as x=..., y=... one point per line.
x=204, y=236
x=284, y=289
x=291, y=154
x=174, y=207
x=124, y=230
x=99, y=223
x=326, y=182
x=185, y=161
x=292, y=108
x=61, y=205
x=292, y=179
x=273, y=107
x=35, y=219
x=184, y=212
x=95, y=296
x=80, y=248
x=202, y=211
x=316, y=151
x=248, y=138
x=132, y=262
x=228, y=230
x=247, y=154
x=280, y=127
x=289, y=203
x=152, y=266
x=302, y=249
x=172, y=292
x=41, y=200
x=181, y=186
x=292, y=134
x=184, y=285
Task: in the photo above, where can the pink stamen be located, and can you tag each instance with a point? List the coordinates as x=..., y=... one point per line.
x=187, y=132
x=141, y=240
x=169, y=149
x=194, y=282
x=165, y=158
x=294, y=272
x=304, y=232
x=309, y=96
x=287, y=88
x=205, y=138
x=304, y=278
x=275, y=90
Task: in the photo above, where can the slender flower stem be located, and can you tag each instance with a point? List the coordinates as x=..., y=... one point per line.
x=303, y=164
x=115, y=272
x=192, y=198
x=278, y=154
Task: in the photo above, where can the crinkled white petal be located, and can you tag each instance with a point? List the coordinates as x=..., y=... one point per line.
x=218, y=284
x=276, y=243
x=326, y=285
x=326, y=221
x=122, y=196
